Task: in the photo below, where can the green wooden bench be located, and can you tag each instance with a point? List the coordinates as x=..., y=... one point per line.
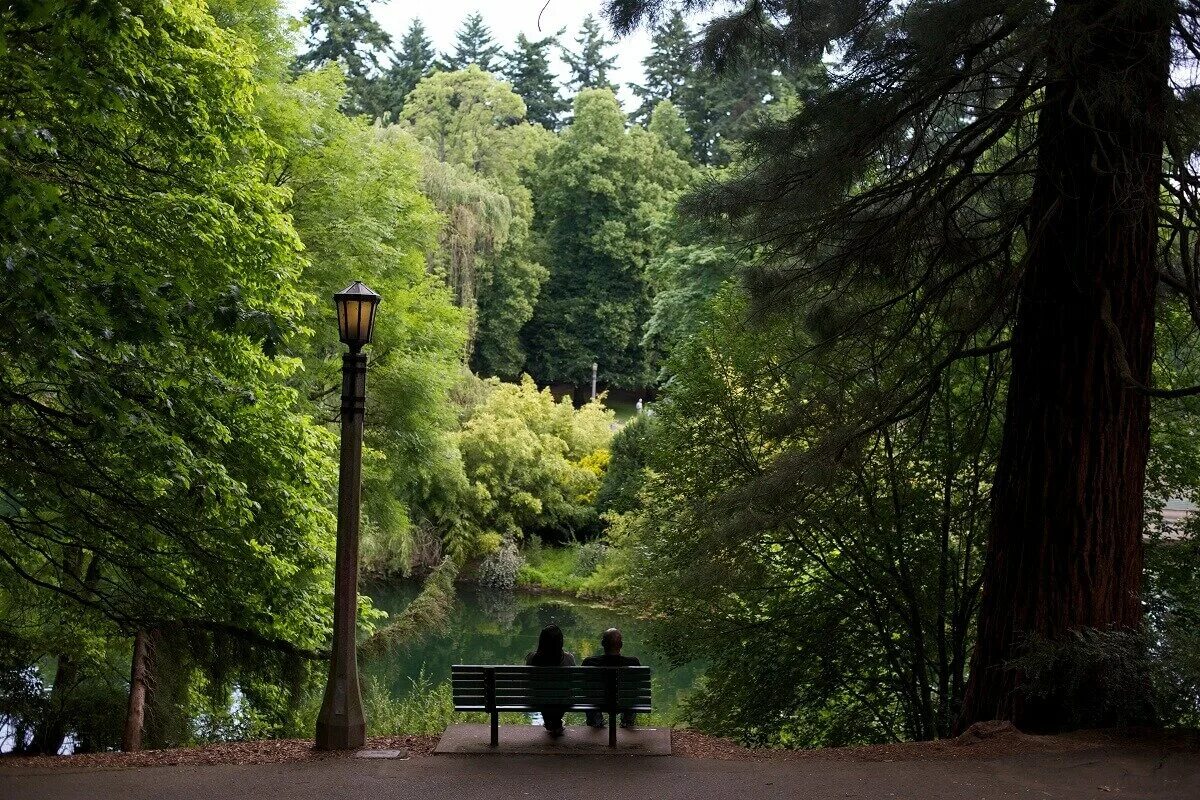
x=511, y=688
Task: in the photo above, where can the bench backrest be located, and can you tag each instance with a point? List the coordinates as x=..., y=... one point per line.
x=521, y=688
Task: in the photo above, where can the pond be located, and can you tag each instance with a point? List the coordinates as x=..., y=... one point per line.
x=493, y=627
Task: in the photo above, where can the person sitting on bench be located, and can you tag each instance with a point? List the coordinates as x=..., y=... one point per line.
x=550, y=653
x=610, y=642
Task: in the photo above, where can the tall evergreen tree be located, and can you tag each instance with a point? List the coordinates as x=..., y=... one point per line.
x=669, y=67
x=527, y=68
x=411, y=62
x=993, y=172
x=344, y=32
x=589, y=65
x=473, y=45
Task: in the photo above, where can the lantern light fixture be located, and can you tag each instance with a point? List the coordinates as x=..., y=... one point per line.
x=356, y=305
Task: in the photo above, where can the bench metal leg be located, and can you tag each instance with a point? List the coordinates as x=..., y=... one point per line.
x=612, y=707
x=489, y=693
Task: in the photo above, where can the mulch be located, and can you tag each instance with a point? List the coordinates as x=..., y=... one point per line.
x=982, y=740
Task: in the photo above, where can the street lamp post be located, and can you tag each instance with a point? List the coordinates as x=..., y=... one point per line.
x=341, y=725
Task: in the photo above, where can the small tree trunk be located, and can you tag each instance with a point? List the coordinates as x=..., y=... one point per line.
x=1065, y=541
x=131, y=739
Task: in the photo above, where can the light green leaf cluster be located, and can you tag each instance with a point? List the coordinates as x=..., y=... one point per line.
x=528, y=462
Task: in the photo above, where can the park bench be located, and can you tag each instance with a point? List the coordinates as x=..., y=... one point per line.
x=493, y=689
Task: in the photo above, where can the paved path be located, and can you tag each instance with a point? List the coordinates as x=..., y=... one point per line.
x=1102, y=774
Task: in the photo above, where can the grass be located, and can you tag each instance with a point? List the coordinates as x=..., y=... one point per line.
x=552, y=569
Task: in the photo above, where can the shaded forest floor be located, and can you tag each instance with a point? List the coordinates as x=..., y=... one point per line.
x=986, y=740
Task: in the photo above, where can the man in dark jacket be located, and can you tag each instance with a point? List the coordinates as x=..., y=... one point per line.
x=610, y=642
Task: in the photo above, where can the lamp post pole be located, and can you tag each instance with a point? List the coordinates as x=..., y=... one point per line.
x=342, y=725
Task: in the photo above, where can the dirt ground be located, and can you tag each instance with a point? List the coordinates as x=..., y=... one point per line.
x=991, y=763
x=984, y=740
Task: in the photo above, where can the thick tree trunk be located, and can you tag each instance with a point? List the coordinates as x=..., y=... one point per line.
x=1065, y=543
x=131, y=738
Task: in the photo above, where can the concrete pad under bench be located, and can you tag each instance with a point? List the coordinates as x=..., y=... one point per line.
x=533, y=740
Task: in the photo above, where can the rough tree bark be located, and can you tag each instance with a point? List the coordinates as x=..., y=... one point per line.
x=131, y=738
x=1065, y=543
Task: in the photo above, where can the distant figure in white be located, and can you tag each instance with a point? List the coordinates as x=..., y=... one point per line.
x=639, y=405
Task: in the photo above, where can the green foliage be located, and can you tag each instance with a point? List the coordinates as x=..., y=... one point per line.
x=411, y=62
x=604, y=203
x=530, y=463
x=482, y=153
x=551, y=569
x=527, y=68
x=669, y=67
x=358, y=207
x=667, y=124
x=877, y=550
x=344, y=32
x=473, y=46
x=685, y=276
x=156, y=465
x=588, y=64
x=631, y=453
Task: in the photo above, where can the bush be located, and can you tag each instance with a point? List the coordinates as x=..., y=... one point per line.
x=590, y=556
x=499, y=569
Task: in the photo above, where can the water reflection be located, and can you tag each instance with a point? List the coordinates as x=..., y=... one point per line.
x=490, y=627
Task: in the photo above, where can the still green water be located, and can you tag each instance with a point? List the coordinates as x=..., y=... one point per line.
x=491, y=627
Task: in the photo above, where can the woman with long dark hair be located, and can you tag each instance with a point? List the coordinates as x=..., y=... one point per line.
x=550, y=653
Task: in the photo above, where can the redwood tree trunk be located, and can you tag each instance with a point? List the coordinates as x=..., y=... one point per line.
x=1065, y=543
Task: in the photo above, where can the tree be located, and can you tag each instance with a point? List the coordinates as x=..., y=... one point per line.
x=603, y=205
x=157, y=472
x=669, y=68
x=667, y=124
x=413, y=61
x=527, y=68
x=481, y=155
x=903, y=191
x=589, y=65
x=881, y=560
x=344, y=32
x=527, y=461
x=357, y=205
x=473, y=44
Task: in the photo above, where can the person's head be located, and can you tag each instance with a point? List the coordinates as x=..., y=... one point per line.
x=611, y=642
x=550, y=641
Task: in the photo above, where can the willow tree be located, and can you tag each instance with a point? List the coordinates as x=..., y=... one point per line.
x=481, y=150
x=994, y=173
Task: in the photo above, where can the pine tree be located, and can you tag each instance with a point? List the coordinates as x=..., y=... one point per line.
x=473, y=45
x=669, y=67
x=589, y=65
x=345, y=33
x=527, y=68
x=413, y=61
x=991, y=173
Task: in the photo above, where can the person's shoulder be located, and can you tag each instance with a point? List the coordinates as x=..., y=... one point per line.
x=568, y=660
x=529, y=659
x=632, y=661
x=592, y=661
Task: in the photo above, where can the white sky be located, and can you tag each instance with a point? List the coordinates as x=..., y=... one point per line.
x=507, y=18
